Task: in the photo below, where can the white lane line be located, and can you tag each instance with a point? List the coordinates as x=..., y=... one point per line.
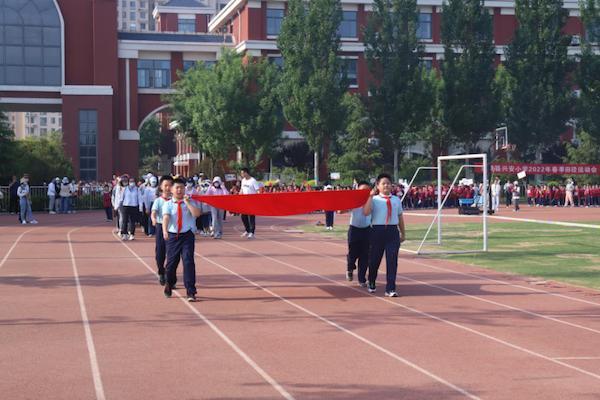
x=268, y=378
x=13, y=247
x=86, y=325
x=423, y=313
x=347, y=331
x=496, y=281
x=506, y=306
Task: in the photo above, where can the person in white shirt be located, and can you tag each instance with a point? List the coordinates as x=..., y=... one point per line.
x=117, y=198
x=516, y=195
x=74, y=194
x=149, y=193
x=569, y=194
x=249, y=186
x=217, y=189
x=132, y=205
x=496, y=189
x=65, y=196
x=23, y=192
x=51, y=197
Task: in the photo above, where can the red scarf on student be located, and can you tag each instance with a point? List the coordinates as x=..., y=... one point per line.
x=388, y=202
x=287, y=203
x=179, y=216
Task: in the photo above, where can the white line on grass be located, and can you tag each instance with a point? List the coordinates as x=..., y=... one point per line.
x=423, y=313
x=509, y=307
x=86, y=325
x=349, y=332
x=268, y=378
x=496, y=281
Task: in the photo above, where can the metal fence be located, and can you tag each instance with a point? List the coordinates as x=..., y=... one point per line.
x=87, y=198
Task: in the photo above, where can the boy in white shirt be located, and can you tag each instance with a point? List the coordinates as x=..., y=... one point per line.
x=249, y=186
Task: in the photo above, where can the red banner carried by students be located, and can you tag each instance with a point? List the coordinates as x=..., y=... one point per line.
x=546, y=169
x=292, y=203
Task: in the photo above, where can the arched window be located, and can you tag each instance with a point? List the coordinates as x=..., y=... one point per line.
x=30, y=43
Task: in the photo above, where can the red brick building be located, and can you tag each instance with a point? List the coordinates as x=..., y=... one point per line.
x=68, y=56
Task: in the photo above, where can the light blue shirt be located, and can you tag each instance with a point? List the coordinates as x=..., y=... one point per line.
x=158, y=207
x=189, y=221
x=358, y=219
x=379, y=210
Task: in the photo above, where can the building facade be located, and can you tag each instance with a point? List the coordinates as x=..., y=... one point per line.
x=73, y=56
x=135, y=15
x=36, y=124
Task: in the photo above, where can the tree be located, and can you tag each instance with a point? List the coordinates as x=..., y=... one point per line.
x=397, y=103
x=312, y=85
x=357, y=157
x=150, y=138
x=469, y=105
x=587, y=151
x=538, y=63
x=46, y=158
x=7, y=147
x=588, y=73
x=230, y=106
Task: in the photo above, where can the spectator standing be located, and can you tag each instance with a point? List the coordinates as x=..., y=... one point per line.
x=24, y=194
x=13, y=206
x=51, y=197
x=516, y=195
x=65, y=196
x=107, y=203
x=217, y=189
x=249, y=186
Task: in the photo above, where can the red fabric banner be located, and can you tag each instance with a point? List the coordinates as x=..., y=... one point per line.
x=546, y=169
x=284, y=203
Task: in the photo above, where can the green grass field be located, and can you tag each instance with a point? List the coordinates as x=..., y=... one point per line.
x=557, y=253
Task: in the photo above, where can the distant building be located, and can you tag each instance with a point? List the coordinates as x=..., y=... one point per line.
x=26, y=124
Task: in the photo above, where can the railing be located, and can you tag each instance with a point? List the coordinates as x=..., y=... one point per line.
x=88, y=198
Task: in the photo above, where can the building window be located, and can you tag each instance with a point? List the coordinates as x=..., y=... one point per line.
x=142, y=4
x=187, y=65
x=154, y=73
x=132, y=4
x=132, y=26
x=274, y=20
x=349, y=66
x=88, y=134
x=43, y=121
x=277, y=60
x=53, y=120
x=132, y=15
x=30, y=43
x=124, y=3
x=424, y=27
x=43, y=131
x=592, y=32
x=186, y=25
x=348, y=25
x=142, y=15
x=142, y=26
x=427, y=64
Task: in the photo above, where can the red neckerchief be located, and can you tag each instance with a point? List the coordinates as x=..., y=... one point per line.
x=179, y=216
x=388, y=201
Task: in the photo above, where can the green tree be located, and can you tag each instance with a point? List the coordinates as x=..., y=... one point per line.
x=7, y=148
x=586, y=151
x=397, y=103
x=468, y=101
x=46, y=158
x=150, y=138
x=230, y=106
x=588, y=73
x=312, y=85
x=538, y=63
x=357, y=157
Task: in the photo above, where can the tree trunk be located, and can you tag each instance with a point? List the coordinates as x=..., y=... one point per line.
x=396, y=154
x=316, y=167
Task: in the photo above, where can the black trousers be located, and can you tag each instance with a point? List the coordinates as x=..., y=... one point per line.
x=329, y=218
x=181, y=247
x=128, y=219
x=13, y=204
x=359, y=240
x=384, y=238
x=249, y=222
x=145, y=221
x=160, y=249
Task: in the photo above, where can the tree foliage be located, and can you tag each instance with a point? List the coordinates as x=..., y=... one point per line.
x=537, y=60
x=588, y=73
x=43, y=158
x=357, y=157
x=398, y=103
x=7, y=147
x=469, y=104
x=230, y=106
x=150, y=138
x=586, y=151
x=312, y=84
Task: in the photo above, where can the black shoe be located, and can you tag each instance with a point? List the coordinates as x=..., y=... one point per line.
x=168, y=291
x=161, y=279
x=191, y=298
x=349, y=276
x=371, y=287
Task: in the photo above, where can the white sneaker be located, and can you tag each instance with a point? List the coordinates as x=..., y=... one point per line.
x=391, y=294
x=251, y=236
x=24, y=223
x=52, y=212
x=245, y=234
x=34, y=222
x=131, y=237
x=123, y=236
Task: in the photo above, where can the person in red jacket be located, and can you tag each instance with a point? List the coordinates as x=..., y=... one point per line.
x=107, y=204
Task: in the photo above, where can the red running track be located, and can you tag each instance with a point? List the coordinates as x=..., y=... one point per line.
x=83, y=317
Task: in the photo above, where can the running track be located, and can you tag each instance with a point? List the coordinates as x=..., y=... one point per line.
x=83, y=317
